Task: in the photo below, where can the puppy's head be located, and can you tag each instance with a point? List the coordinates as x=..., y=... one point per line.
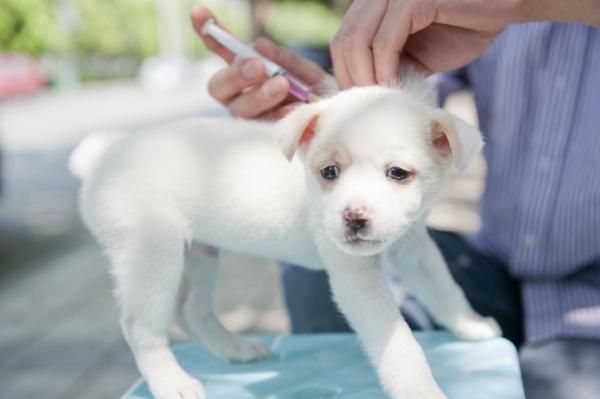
x=374, y=157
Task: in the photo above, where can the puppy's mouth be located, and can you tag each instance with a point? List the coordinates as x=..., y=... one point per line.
x=358, y=240
x=361, y=245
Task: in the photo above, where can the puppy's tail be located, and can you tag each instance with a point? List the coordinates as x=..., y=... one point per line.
x=84, y=158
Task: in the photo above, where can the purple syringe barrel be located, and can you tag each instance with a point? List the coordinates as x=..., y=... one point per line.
x=298, y=88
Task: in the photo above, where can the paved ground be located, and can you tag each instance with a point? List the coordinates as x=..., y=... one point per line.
x=59, y=335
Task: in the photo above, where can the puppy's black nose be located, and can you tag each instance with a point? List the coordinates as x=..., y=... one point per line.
x=357, y=224
x=356, y=219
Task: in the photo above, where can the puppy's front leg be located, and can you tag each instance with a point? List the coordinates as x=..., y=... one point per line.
x=419, y=263
x=361, y=292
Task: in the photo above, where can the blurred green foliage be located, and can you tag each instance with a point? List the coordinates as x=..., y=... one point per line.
x=107, y=27
x=115, y=28
x=306, y=22
x=29, y=26
x=94, y=32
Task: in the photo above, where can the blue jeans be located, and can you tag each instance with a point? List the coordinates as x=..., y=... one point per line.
x=557, y=369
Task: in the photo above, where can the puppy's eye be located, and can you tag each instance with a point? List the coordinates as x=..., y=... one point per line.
x=330, y=172
x=397, y=173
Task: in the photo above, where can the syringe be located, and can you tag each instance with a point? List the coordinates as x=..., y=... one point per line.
x=298, y=88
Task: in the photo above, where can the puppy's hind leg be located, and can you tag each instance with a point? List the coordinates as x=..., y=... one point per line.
x=198, y=311
x=148, y=265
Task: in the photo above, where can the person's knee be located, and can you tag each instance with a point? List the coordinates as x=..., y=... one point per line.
x=561, y=369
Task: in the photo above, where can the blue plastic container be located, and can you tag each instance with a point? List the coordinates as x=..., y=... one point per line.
x=323, y=366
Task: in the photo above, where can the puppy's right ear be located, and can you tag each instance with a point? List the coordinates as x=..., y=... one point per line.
x=453, y=135
x=297, y=129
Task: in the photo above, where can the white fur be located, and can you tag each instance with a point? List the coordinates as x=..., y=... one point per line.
x=161, y=201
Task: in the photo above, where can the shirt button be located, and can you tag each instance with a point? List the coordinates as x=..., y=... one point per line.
x=560, y=81
x=544, y=163
x=529, y=240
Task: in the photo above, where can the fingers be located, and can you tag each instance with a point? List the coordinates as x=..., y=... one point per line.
x=367, y=48
x=280, y=112
x=389, y=40
x=245, y=90
x=236, y=78
x=351, y=47
x=260, y=100
x=402, y=19
x=199, y=16
x=307, y=70
x=357, y=46
x=339, y=64
x=243, y=86
x=302, y=67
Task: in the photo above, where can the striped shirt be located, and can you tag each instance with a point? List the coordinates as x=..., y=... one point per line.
x=537, y=92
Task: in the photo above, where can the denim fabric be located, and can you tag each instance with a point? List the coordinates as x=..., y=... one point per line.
x=561, y=369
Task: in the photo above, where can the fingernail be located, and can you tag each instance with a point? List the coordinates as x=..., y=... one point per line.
x=250, y=69
x=196, y=9
x=275, y=86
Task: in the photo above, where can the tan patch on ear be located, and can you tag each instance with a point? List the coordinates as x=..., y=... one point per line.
x=309, y=131
x=439, y=137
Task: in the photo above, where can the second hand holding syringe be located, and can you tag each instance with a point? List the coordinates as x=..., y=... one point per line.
x=298, y=89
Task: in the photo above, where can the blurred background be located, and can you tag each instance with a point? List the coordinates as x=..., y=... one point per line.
x=70, y=67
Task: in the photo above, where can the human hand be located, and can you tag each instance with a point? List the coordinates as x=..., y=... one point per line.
x=436, y=35
x=243, y=86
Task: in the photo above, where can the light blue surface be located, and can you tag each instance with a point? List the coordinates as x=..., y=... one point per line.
x=324, y=366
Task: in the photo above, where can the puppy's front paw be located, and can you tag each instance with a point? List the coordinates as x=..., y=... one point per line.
x=477, y=328
x=240, y=349
x=177, y=386
x=415, y=390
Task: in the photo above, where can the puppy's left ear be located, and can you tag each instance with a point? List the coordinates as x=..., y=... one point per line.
x=298, y=128
x=453, y=136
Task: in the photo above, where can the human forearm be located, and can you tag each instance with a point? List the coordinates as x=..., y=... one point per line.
x=581, y=11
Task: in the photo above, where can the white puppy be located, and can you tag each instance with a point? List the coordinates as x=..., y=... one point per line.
x=353, y=202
